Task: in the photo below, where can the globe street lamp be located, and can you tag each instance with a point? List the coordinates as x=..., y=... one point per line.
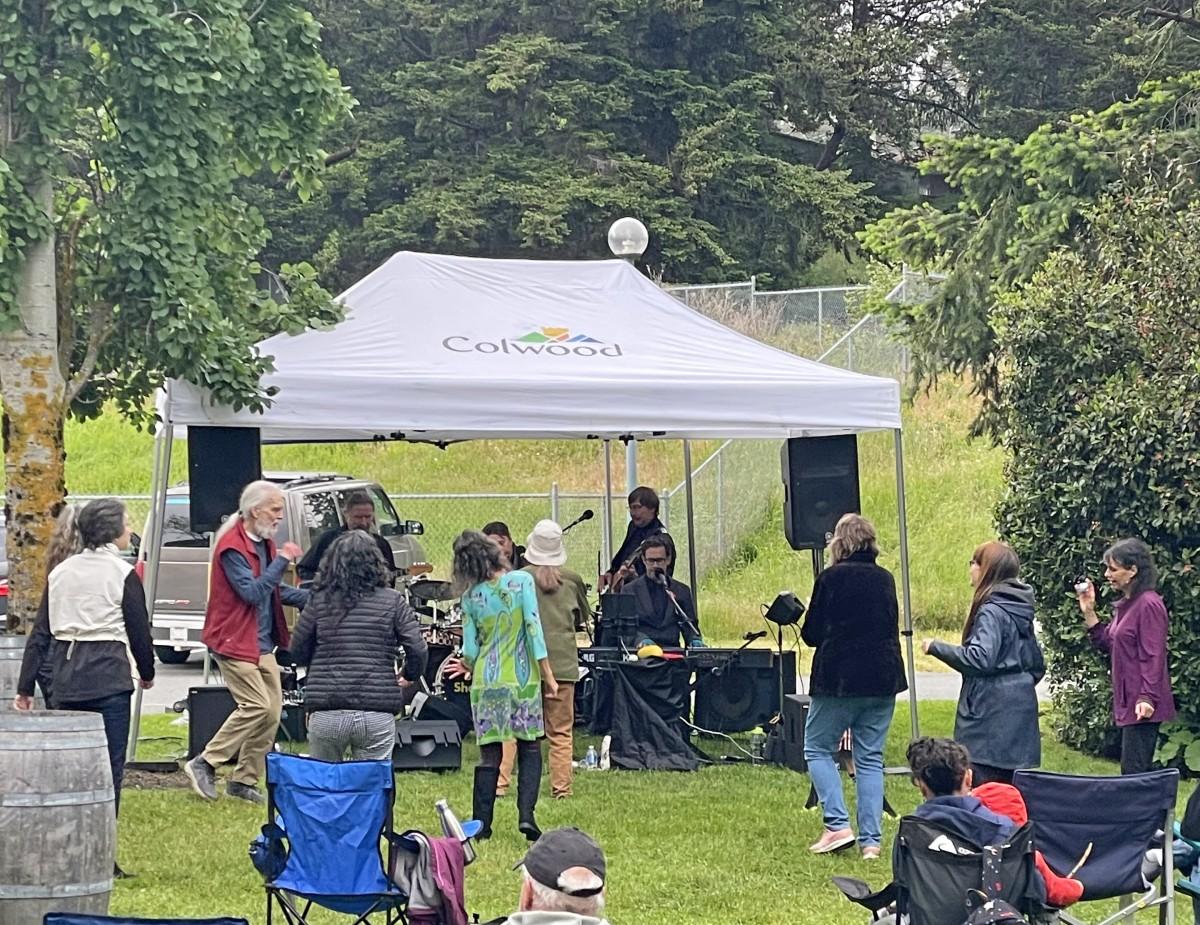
x=628, y=239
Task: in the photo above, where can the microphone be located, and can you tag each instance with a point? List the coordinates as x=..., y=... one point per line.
x=750, y=637
x=661, y=578
x=586, y=515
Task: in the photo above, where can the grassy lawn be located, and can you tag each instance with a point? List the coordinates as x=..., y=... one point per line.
x=726, y=844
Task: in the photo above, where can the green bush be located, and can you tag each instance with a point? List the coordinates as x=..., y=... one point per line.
x=1101, y=410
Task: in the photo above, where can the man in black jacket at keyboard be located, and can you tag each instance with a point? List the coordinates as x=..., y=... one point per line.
x=665, y=608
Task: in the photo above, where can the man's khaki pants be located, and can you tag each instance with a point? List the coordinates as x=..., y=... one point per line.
x=250, y=730
x=559, y=717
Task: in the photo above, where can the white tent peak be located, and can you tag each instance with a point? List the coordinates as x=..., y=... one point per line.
x=435, y=347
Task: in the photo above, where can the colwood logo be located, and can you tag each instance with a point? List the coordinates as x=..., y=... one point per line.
x=550, y=341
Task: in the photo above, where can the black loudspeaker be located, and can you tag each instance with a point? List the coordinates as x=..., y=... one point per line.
x=820, y=484
x=739, y=698
x=795, y=715
x=427, y=745
x=209, y=707
x=221, y=462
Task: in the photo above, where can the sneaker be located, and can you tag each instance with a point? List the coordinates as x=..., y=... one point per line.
x=870, y=853
x=832, y=841
x=202, y=776
x=244, y=792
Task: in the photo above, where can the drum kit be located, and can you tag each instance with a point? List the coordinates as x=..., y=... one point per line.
x=441, y=619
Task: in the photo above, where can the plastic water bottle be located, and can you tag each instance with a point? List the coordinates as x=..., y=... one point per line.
x=590, y=761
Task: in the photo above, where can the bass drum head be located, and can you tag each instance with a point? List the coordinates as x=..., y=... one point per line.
x=455, y=700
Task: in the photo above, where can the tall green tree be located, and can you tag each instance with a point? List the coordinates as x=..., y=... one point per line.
x=1016, y=202
x=125, y=254
x=513, y=127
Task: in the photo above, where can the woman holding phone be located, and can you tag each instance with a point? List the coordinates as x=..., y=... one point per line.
x=1135, y=639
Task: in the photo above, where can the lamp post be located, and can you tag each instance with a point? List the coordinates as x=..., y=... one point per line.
x=628, y=239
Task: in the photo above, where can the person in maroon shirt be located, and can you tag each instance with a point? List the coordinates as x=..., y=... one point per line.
x=1135, y=639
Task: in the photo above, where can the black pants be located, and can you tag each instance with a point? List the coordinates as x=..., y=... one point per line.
x=114, y=710
x=1137, y=747
x=491, y=754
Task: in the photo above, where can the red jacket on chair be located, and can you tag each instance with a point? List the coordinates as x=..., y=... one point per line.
x=1006, y=800
x=230, y=623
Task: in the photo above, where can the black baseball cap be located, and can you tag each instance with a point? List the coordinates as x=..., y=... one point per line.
x=560, y=850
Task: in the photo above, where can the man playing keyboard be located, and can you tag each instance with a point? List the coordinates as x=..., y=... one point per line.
x=665, y=608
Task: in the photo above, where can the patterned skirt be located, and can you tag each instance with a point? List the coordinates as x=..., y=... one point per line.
x=506, y=712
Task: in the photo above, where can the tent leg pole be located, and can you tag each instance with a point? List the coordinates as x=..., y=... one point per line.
x=606, y=507
x=905, y=584
x=691, y=522
x=158, y=499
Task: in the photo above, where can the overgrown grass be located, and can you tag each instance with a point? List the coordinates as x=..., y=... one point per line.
x=726, y=844
x=952, y=488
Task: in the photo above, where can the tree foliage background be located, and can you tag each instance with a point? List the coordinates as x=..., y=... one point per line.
x=1101, y=401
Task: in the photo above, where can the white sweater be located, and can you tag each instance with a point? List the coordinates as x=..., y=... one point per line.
x=86, y=591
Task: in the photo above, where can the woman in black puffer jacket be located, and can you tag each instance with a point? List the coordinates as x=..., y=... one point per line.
x=348, y=636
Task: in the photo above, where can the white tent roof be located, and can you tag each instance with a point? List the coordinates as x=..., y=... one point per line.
x=452, y=348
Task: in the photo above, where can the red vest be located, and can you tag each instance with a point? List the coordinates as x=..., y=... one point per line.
x=230, y=624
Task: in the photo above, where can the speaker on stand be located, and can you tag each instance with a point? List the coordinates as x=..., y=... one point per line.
x=820, y=484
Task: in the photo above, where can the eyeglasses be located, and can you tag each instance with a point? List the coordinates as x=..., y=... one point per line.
x=655, y=560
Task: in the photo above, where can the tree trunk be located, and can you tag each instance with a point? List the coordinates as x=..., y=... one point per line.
x=32, y=387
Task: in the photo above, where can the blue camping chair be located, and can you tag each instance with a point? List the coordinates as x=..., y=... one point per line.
x=1109, y=823
x=332, y=818
x=73, y=918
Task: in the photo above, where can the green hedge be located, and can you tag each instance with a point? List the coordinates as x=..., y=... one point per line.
x=1102, y=424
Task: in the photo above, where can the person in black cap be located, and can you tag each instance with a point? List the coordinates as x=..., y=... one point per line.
x=564, y=881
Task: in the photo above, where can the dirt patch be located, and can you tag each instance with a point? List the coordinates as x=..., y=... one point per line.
x=153, y=780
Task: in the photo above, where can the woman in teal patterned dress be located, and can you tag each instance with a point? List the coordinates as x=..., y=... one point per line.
x=505, y=654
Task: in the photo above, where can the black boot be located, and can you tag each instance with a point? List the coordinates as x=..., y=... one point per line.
x=529, y=779
x=483, y=799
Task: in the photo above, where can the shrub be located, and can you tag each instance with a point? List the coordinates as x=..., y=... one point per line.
x=1101, y=412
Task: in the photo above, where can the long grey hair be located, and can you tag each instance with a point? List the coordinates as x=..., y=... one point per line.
x=476, y=559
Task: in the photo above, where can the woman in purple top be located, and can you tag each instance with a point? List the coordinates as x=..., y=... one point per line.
x=1136, y=641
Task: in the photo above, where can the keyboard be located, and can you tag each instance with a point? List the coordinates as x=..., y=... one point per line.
x=699, y=659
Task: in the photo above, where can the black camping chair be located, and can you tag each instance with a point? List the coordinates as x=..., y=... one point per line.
x=74, y=918
x=1102, y=827
x=939, y=876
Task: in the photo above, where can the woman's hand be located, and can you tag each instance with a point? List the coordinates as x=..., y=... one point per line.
x=925, y=645
x=1087, y=600
x=1143, y=710
x=457, y=668
x=403, y=681
x=23, y=702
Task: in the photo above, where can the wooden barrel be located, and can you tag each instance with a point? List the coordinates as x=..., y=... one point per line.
x=57, y=817
x=12, y=650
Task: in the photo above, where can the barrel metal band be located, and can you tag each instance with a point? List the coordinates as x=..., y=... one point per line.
x=76, y=798
x=56, y=743
x=64, y=891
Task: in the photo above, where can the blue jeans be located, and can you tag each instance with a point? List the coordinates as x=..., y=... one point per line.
x=868, y=719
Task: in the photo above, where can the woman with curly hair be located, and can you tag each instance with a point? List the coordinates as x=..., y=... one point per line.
x=349, y=636
x=505, y=654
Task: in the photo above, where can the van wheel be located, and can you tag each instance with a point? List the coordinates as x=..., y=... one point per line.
x=169, y=656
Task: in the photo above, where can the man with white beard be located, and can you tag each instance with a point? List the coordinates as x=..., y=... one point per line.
x=243, y=625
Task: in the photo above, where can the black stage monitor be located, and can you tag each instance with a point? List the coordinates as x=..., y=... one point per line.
x=221, y=462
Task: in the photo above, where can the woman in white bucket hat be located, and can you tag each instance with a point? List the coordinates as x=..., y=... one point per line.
x=563, y=606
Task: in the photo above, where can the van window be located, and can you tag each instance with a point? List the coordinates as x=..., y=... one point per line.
x=384, y=510
x=322, y=512
x=177, y=527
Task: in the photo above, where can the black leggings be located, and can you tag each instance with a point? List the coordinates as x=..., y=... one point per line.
x=490, y=754
x=1137, y=747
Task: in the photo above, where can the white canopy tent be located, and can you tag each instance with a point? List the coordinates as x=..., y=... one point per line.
x=437, y=349
x=441, y=348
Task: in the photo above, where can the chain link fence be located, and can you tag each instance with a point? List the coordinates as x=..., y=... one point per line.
x=733, y=489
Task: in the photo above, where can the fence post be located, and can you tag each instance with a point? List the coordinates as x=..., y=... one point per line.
x=554, y=501
x=720, y=505
x=820, y=320
x=850, y=353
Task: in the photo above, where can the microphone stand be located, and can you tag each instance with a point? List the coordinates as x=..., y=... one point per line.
x=679, y=610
